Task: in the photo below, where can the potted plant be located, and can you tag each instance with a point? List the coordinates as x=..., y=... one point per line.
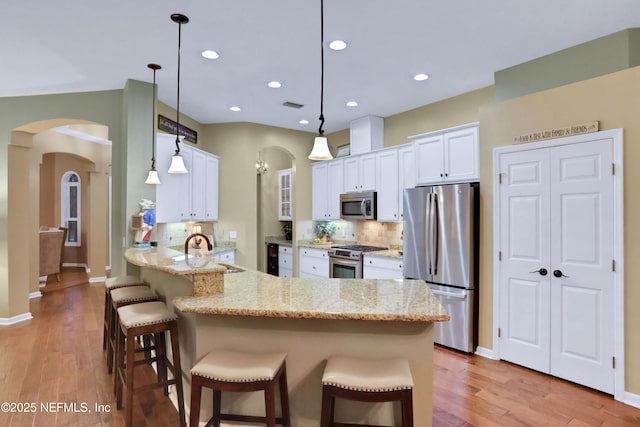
x=324, y=230
x=287, y=229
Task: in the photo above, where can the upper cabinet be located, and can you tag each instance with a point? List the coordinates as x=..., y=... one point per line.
x=366, y=134
x=450, y=155
x=360, y=173
x=186, y=197
x=327, y=185
x=285, y=195
x=395, y=172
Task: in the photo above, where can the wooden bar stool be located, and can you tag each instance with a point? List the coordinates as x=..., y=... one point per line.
x=144, y=319
x=366, y=380
x=121, y=297
x=109, y=285
x=223, y=370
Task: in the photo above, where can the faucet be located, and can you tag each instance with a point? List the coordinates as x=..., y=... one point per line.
x=197, y=236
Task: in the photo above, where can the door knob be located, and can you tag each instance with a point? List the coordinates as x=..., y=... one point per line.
x=558, y=273
x=542, y=271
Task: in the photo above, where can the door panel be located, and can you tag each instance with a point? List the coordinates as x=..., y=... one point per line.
x=582, y=302
x=524, y=235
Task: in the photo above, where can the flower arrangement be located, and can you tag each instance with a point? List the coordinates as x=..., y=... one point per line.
x=325, y=229
x=287, y=229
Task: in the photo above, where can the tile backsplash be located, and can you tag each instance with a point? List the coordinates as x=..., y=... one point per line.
x=388, y=234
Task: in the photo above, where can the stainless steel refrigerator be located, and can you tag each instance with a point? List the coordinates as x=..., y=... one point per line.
x=441, y=247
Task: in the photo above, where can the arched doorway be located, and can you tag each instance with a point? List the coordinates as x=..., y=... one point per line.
x=28, y=145
x=268, y=223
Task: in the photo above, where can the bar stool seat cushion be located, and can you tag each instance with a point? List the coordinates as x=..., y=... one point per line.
x=132, y=294
x=122, y=281
x=145, y=313
x=367, y=375
x=234, y=366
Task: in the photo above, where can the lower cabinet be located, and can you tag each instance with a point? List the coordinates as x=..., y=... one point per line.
x=226, y=256
x=285, y=261
x=314, y=263
x=375, y=267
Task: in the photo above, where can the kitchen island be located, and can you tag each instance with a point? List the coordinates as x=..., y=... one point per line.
x=309, y=319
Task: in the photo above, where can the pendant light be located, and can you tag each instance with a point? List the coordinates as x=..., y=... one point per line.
x=177, y=162
x=153, y=178
x=320, y=149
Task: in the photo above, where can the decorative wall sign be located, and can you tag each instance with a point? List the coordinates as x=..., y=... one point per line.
x=541, y=135
x=168, y=125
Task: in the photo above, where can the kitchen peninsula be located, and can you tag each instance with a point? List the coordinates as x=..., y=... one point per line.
x=309, y=319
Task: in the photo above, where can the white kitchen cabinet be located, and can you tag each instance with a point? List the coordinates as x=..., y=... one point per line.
x=285, y=261
x=450, y=155
x=285, y=193
x=186, y=197
x=228, y=256
x=377, y=267
x=360, y=173
x=387, y=185
x=366, y=134
x=327, y=185
x=406, y=173
x=314, y=262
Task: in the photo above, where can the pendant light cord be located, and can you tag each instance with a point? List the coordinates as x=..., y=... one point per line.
x=154, y=67
x=178, y=97
x=321, y=118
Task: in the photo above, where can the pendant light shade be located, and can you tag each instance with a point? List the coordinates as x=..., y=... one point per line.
x=177, y=162
x=153, y=178
x=320, y=149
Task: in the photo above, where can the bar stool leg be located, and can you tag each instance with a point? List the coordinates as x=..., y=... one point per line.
x=407, y=408
x=284, y=398
x=217, y=407
x=196, y=395
x=175, y=349
x=326, y=416
x=270, y=406
x=130, y=356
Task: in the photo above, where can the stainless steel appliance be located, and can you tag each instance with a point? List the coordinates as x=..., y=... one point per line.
x=272, y=259
x=345, y=262
x=441, y=248
x=358, y=205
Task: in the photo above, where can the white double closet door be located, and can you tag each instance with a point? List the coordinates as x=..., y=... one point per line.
x=556, y=242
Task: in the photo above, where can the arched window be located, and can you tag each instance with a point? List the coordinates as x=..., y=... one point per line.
x=70, y=207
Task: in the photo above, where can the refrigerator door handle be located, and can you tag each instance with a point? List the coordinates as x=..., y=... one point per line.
x=428, y=233
x=436, y=232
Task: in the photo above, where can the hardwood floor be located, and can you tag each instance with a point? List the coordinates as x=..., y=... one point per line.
x=57, y=357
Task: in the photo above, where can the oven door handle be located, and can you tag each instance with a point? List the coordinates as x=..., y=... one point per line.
x=462, y=295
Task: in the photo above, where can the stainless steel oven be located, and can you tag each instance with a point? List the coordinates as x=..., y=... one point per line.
x=345, y=262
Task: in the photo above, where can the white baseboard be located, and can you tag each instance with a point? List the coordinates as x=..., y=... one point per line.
x=485, y=352
x=97, y=279
x=5, y=321
x=631, y=399
x=36, y=294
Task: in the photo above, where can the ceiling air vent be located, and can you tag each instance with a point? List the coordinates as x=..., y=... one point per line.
x=292, y=104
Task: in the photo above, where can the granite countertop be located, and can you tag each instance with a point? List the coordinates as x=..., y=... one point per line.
x=279, y=240
x=173, y=261
x=387, y=253
x=252, y=293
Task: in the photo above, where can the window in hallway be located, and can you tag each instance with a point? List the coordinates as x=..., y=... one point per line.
x=70, y=203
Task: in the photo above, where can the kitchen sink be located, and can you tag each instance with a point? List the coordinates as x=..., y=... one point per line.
x=230, y=268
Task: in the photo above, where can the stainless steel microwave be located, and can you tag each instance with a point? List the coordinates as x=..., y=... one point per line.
x=358, y=205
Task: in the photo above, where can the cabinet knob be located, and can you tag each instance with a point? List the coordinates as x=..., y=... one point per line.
x=369, y=261
x=314, y=267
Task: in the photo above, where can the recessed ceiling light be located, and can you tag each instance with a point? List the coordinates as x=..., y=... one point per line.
x=352, y=104
x=420, y=77
x=304, y=122
x=274, y=84
x=210, y=54
x=337, y=45
x=234, y=108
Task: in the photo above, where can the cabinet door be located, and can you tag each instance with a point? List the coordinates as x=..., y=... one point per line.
x=335, y=187
x=197, y=175
x=429, y=152
x=381, y=268
x=367, y=166
x=285, y=203
x=211, y=188
x=319, y=191
x=172, y=200
x=406, y=174
x=387, y=186
x=461, y=155
x=351, y=174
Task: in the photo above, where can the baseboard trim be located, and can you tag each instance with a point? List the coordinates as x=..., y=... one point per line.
x=36, y=294
x=631, y=399
x=97, y=279
x=6, y=321
x=485, y=352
